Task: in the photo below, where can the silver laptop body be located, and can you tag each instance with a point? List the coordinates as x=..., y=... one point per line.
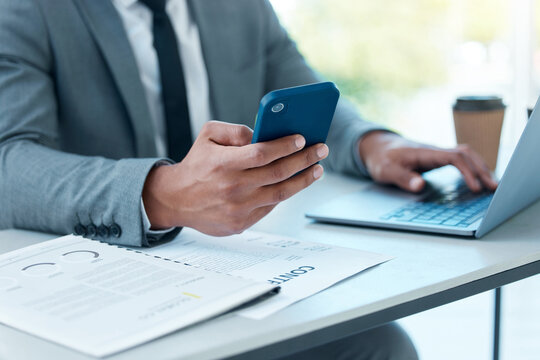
x=390, y=208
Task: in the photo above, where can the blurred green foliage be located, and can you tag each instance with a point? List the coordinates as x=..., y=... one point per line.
x=484, y=20
x=380, y=53
x=373, y=50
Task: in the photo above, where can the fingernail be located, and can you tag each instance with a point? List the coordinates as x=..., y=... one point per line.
x=318, y=171
x=300, y=142
x=415, y=183
x=322, y=151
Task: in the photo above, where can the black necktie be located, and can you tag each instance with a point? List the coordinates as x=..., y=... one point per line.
x=173, y=87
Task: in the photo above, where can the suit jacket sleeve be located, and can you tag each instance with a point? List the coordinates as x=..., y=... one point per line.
x=41, y=187
x=286, y=67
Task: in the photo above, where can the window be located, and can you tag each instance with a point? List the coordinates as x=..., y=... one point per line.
x=403, y=63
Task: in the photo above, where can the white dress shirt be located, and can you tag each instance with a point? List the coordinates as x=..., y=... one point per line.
x=137, y=20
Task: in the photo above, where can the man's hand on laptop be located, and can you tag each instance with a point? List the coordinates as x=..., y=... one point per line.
x=392, y=159
x=225, y=184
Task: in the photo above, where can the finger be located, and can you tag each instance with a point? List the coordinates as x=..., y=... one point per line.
x=274, y=194
x=284, y=168
x=402, y=177
x=263, y=153
x=433, y=158
x=227, y=134
x=482, y=170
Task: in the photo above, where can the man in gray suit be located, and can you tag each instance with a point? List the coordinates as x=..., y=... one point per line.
x=85, y=114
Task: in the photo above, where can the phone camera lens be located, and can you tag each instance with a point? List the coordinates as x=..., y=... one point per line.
x=278, y=107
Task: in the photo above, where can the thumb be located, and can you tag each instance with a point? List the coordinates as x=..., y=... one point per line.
x=227, y=134
x=406, y=179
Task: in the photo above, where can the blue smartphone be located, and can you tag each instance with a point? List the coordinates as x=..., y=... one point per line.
x=307, y=110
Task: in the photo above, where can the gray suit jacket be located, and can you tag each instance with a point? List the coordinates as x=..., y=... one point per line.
x=76, y=140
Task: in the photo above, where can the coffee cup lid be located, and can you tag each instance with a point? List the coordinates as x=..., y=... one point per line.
x=479, y=103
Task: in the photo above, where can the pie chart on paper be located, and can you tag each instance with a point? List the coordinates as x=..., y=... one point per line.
x=79, y=256
x=40, y=269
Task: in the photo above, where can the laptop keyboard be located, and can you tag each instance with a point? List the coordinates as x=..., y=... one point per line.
x=451, y=206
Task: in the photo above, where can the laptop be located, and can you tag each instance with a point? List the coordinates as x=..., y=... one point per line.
x=446, y=206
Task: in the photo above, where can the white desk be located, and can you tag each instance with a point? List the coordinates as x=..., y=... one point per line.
x=428, y=271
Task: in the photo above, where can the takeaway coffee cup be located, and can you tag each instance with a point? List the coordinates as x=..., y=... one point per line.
x=478, y=121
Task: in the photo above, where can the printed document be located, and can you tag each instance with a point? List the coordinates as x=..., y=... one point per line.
x=100, y=299
x=299, y=267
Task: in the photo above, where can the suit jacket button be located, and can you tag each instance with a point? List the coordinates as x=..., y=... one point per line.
x=91, y=230
x=115, y=230
x=79, y=229
x=103, y=231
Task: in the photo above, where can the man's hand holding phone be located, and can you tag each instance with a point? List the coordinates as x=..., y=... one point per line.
x=225, y=184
